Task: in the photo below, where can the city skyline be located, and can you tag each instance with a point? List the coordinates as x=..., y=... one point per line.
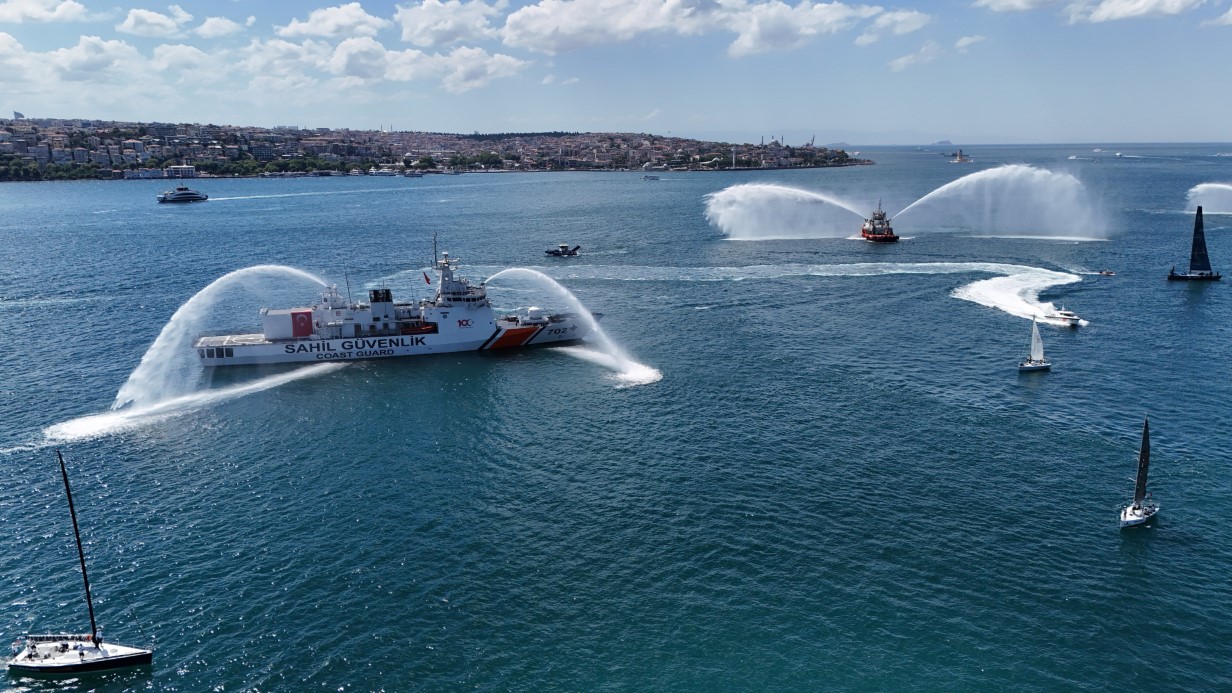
x=730, y=70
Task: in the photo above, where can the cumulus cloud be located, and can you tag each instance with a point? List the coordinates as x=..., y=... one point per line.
x=1013, y=5
x=776, y=26
x=436, y=23
x=216, y=27
x=898, y=22
x=335, y=22
x=150, y=23
x=472, y=68
x=93, y=58
x=962, y=44
x=556, y=26
x=362, y=60
x=362, y=57
x=18, y=11
x=925, y=55
x=1112, y=10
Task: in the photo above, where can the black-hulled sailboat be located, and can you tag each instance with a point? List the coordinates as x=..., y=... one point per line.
x=1199, y=261
x=74, y=653
x=1142, y=509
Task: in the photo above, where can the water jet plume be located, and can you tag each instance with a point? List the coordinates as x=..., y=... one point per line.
x=604, y=352
x=1214, y=198
x=1011, y=201
x=764, y=211
x=164, y=371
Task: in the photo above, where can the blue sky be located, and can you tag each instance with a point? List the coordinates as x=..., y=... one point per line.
x=972, y=72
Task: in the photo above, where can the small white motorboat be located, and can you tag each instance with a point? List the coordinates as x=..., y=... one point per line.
x=1068, y=318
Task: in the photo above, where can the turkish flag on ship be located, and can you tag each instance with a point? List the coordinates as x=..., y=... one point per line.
x=301, y=324
x=429, y=281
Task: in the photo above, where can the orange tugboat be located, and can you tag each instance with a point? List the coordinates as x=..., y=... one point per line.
x=878, y=228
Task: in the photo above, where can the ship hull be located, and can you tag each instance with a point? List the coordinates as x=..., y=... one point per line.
x=253, y=349
x=880, y=238
x=1173, y=277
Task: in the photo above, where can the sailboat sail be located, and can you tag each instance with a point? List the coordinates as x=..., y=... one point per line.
x=1144, y=461
x=1199, y=261
x=1037, y=344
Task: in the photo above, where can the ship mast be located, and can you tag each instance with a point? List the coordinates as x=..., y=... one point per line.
x=80, y=553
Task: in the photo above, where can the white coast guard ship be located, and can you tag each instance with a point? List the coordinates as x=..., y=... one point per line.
x=458, y=318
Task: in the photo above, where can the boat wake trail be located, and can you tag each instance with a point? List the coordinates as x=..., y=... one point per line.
x=762, y=211
x=604, y=352
x=1015, y=291
x=1018, y=293
x=117, y=420
x=1214, y=198
x=168, y=368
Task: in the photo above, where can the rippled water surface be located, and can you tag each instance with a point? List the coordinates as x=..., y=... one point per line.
x=839, y=481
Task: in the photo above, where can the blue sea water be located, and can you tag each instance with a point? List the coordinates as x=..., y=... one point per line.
x=839, y=481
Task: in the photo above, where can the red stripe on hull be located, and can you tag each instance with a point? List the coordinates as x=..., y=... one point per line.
x=514, y=337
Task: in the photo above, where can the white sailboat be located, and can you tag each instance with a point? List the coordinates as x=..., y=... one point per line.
x=1035, y=360
x=74, y=653
x=1142, y=509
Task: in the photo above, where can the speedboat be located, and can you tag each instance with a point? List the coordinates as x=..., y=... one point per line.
x=1067, y=318
x=1107, y=273
x=183, y=193
x=564, y=251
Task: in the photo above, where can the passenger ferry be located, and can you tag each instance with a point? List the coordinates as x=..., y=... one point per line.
x=183, y=193
x=458, y=318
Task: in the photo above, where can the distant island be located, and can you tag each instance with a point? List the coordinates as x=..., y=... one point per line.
x=68, y=149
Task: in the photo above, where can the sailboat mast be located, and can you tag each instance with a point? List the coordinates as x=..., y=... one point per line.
x=1144, y=461
x=81, y=554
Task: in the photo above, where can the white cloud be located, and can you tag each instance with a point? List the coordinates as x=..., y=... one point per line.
x=216, y=27
x=436, y=23
x=362, y=61
x=926, y=54
x=962, y=44
x=1222, y=20
x=284, y=58
x=776, y=26
x=363, y=58
x=898, y=22
x=546, y=80
x=18, y=11
x=1112, y=10
x=94, y=59
x=653, y=114
x=335, y=22
x=472, y=68
x=1013, y=5
x=191, y=65
x=150, y=23
x=570, y=80
x=555, y=26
